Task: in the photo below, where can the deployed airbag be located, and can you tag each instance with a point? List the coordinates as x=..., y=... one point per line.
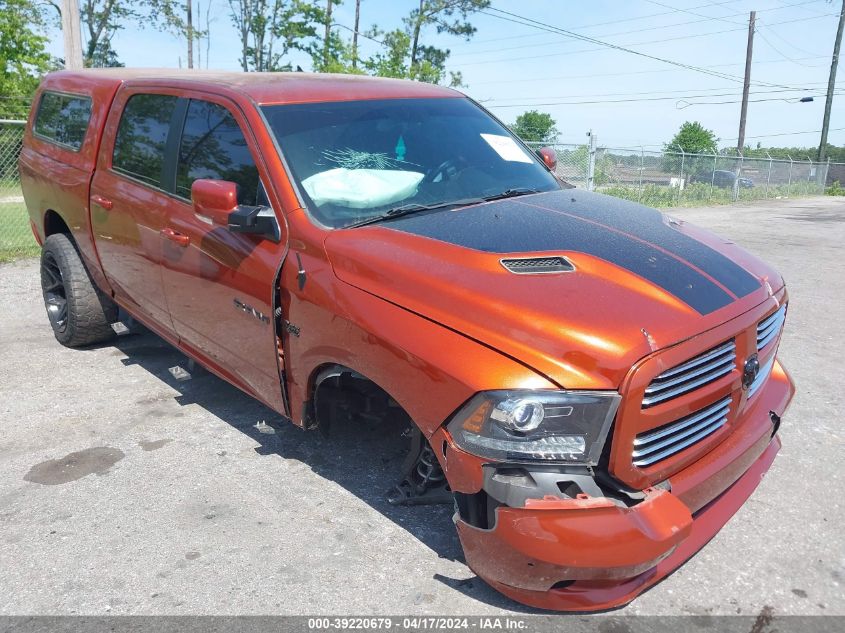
x=361, y=188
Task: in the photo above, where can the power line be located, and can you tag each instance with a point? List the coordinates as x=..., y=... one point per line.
x=771, y=31
x=626, y=73
x=588, y=50
x=690, y=12
x=640, y=30
x=567, y=41
x=705, y=103
x=518, y=19
x=654, y=15
x=720, y=139
x=607, y=44
x=652, y=93
x=840, y=129
x=533, y=45
x=643, y=99
x=779, y=52
x=595, y=24
x=784, y=6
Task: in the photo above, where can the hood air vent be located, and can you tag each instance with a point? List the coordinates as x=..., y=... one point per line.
x=537, y=265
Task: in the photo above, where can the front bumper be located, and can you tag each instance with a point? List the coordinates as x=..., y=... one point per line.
x=590, y=553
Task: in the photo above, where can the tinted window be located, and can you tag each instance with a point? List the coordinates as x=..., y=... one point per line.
x=355, y=160
x=63, y=118
x=214, y=147
x=141, y=137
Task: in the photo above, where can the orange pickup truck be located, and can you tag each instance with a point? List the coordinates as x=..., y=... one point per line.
x=593, y=384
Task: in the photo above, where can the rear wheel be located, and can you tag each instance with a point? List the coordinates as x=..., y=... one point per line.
x=79, y=313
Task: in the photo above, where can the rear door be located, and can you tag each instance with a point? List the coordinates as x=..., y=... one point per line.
x=220, y=286
x=129, y=203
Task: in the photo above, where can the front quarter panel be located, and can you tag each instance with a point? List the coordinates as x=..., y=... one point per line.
x=428, y=369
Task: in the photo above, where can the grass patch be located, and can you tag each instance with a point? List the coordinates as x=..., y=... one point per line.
x=835, y=189
x=702, y=194
x=16, y=239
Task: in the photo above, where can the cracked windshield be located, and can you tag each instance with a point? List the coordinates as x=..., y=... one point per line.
x=358, y=161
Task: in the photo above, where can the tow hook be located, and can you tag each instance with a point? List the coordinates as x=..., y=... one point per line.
x=775, y=422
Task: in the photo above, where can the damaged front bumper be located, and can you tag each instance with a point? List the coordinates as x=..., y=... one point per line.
x=555, y=540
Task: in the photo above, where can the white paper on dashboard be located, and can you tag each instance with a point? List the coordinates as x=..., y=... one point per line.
x=506, y=148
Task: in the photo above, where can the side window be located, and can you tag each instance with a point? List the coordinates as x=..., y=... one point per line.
x=214, y=147
x=142, y=136
x=63, y=119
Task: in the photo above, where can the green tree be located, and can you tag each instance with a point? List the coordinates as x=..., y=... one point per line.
x=331, y=49
x=23, y=58
x=447, y=16
x=534, y=126
x=392, y=60
x=270, y=29
x=404, y=55
x=836, y=154
x=340, y=57
x=102, y=19
x=693, y=138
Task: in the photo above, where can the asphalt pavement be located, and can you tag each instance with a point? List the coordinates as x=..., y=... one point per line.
x=125, y=491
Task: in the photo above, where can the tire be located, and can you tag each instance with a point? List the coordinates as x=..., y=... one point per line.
x=80, y=314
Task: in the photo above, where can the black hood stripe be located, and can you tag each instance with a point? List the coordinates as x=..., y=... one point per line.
x=649, y=225
x=605, y=227
x=514, y=226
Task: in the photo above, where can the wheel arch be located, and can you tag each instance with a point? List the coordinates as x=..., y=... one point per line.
x=54, y=223
x=427, y=369
x=321, y=377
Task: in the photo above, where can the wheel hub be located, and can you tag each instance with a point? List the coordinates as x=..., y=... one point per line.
x=55, y=296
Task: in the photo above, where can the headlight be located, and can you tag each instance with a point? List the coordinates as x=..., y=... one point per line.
x=529, y=425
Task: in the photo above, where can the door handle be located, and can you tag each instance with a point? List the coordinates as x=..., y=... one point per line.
x=102, y=202
x=175, y=236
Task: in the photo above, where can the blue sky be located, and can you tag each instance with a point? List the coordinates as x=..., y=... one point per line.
x=511, y=67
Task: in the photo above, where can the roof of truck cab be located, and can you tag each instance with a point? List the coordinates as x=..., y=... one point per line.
x=269, y=88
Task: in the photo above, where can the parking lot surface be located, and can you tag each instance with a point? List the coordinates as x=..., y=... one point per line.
x=125, y=491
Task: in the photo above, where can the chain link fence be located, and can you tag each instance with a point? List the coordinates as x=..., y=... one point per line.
x=16, y=238
x=667, y=178
x=658, y=179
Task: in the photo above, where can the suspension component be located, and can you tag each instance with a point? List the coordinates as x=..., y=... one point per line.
x=424, y=482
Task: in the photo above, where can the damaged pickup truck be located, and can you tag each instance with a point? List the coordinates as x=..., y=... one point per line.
x=594, y=383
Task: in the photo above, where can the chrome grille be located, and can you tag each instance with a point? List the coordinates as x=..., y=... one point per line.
x=694, y=373
x=762, y=375
x=658, y=444
x=769, y=328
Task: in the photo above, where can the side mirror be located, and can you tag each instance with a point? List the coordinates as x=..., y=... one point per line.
x=217, y=200
x=549, y=156
x=214, y=199
x=256, y=220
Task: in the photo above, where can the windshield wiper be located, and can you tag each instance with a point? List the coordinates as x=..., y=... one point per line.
x=511, y=193
x=413, y=207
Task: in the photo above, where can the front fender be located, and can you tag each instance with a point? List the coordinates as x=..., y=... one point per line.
x=428, y=369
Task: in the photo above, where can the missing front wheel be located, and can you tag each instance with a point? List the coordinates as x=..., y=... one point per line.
x=423, y=482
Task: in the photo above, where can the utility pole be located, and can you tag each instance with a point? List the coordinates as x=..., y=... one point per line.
x=71, y=34
x=328, y=34
x=831, y=84
x=355, y=34
x=591, y=162
x=740, y=142
x=189, y=32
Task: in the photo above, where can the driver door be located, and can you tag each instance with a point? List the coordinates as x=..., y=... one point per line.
x=220, y=285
